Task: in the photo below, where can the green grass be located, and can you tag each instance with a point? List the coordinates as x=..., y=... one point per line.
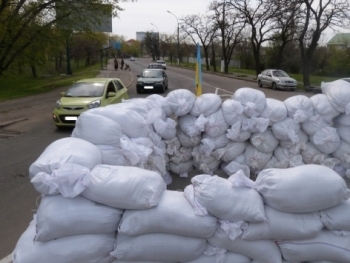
x=17, y=86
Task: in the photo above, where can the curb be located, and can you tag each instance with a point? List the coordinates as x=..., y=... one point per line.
x=3, y=124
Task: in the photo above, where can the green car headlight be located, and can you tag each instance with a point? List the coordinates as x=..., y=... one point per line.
x=94, y=104
x=58, y=104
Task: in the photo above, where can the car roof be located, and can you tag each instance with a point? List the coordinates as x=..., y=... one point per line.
x=101, y=80
x=153, y=69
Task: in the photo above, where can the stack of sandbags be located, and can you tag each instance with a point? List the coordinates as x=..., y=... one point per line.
x=168, y=232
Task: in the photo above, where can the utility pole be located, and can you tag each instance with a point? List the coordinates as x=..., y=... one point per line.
x=178, y=39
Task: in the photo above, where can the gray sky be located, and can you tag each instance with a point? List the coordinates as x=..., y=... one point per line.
x=139, y=15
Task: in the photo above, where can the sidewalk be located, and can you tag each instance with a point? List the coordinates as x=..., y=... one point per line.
x=125, y=75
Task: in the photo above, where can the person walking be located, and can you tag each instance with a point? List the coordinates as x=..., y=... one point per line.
x=122, y=63
x=115, y=63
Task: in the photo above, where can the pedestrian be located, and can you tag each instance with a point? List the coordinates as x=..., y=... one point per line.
x=122, y=63
x=127, y=67
x=115, y=63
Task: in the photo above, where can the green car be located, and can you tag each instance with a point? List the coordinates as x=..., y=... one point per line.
x=87, y=94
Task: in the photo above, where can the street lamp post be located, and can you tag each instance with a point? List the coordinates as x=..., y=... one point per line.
x=178, y=39
x=158, y=53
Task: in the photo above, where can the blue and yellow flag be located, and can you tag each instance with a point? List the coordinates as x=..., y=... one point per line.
x=198, y=78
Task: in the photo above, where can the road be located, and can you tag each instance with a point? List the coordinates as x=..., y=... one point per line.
x=32, y=130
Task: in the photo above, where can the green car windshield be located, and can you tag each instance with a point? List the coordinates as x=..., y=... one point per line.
x=85, y=89
x=152, y=74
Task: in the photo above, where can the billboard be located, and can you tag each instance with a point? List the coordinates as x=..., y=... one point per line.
x=84, y=16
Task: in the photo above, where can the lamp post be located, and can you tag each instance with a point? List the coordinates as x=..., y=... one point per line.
x=158, y=53
x=178, y=39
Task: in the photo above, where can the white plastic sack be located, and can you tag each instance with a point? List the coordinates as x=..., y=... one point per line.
x=216, y=124
x=158, y=247
x=182, y=168
x=325, y=246
x=206, y=104
x=181, y=155
x=313, y=125
x=275, y=111
x=221, y=256
x=225, y=201
x=117, y=156
x=231, y=151
x=255, y=159
x=296, y=147
x=286, y=129
x=181, y=101
x=254, y=101
x=337, y=217
x=299, y=108
x=343, y=152
x=255, y=125
x=68, y=249
x=326, y=140
x=236, y=134
x=281, y=225
x=301, y=189
x=234, y=166
x=173, y=215
x=311, y=155
x=187, y=141
x=59, y=216
x=166, y=129
x=110, y=185
x=206, y=164
x=338, y=94
x=286, y=158
x=90, y=127
x=265, y=142
x=323, y=107
x=232, y=110
x=263, y=251
x=219, y=142
x=60, y=152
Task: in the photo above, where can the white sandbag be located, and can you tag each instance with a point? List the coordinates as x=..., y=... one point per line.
x=281, y=225
x=313, y=125
x=219, y=255
x=158, y=247
x=206, y=164
x=263, y=251
x=299, y=108
x=63, y=165
x=272, y=163
x=255, y=125
x=206, y=104
x=68, y=249
x=132, y=123
x=265, y=142
x=219, y=141
x=337, y=217
x=225, y=198
x=301, y=189
x=89, y=127
x=325, y=246
x=173, y=215
x=187, y=141
x=231, y=151
x=286, y=129
x=216, y=124
x=145, y=107
x=117, y=156
x=110, y=185
x=232, y=110
x=162, y=102
x=286, y=158
x=172, y=146
x=296, y=148
x=255, y=159
x=234, y=166
x=342, y=119
x=166, y=129
x=254, y=101
x=182, y=168
x=181, y=101
x=192, y=125
x=181, y=155
x=342, y=123
x=326, y=140
x=236, y=134
x=338, y=94
x=311, y=155
x=275, y=110
x=343, y=152
x=59, y=216
x=323, y=107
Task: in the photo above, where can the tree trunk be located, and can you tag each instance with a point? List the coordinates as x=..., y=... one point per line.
x=34, y=71
x=20, y=68
x=213, y=62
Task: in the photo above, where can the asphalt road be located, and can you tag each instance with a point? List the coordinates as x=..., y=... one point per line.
x=30, y=130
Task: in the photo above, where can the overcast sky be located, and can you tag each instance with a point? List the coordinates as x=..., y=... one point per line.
x=138, y=16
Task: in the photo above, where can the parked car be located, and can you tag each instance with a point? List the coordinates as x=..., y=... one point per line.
x=161, y=62
x=276, y=79
x=152, y=79
x=155, y=65
x=86, y=94
x=132, y=58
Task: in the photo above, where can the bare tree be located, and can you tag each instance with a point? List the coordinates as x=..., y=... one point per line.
x=318, y=16
x=259, y=16
x=201, y=27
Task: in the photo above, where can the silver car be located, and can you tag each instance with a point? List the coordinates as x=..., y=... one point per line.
x=276, y=79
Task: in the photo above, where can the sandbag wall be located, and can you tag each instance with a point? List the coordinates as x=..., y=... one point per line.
x=117, y=164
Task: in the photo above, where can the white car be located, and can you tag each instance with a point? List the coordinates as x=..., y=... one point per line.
x=132, y=59
x=162, y=62
x=276, y=79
